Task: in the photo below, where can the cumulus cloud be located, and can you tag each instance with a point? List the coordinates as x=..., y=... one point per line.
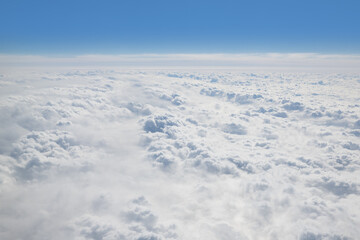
x=179, y=154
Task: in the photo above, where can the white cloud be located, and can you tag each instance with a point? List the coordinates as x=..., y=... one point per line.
x=178, y=154
x=276, y=61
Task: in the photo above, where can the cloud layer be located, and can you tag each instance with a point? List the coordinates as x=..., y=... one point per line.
x=261, y=61
x=179, y=154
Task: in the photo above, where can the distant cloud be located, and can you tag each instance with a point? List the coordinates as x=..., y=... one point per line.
x=284, y=61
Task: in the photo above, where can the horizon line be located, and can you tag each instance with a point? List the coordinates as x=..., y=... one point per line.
x=290, y=60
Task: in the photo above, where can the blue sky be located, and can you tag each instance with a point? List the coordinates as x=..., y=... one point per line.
x=166, y=26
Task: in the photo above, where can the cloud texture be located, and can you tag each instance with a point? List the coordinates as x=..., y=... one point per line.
x=179, y=154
